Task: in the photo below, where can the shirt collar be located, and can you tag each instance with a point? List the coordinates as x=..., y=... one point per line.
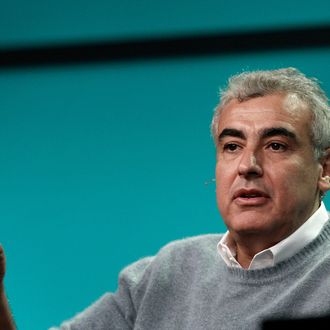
x=282, y=250
x=302, y=236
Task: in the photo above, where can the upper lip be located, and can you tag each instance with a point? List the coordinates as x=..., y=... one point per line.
x=244, y=192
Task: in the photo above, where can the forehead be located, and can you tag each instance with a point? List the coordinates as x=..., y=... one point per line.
x=264, y=112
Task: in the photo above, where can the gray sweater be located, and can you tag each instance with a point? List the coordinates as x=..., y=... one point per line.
x=188, y=286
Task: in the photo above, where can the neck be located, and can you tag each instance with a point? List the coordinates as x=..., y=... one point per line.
x=244, y=256
x=248, y=247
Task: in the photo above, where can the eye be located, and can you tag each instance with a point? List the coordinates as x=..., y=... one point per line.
x=231, y=147
x=275, y=146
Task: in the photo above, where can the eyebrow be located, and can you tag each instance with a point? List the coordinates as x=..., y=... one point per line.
x=265, y=133
x=278, y=131
x=231, y=132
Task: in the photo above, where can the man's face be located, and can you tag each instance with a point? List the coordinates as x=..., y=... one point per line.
x=266, y=174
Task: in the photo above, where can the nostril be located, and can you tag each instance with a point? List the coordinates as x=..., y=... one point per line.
x=249, y=166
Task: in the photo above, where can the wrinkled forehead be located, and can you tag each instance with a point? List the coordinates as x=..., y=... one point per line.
x=266, y=111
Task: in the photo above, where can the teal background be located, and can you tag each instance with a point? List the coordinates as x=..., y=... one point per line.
x=39, y=21
x=102, y=164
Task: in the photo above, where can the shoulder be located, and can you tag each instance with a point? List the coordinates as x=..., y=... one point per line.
x=173, y=269
x=173, y=256
x=196, y=246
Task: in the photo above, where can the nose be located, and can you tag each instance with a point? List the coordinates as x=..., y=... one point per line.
x=250, y=165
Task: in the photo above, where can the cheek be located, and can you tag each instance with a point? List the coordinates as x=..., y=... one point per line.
x=293, y=180
x=221, y=178
x=221, y=201
x=224, y=181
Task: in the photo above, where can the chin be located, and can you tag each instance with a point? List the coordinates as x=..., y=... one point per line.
x=249, y=222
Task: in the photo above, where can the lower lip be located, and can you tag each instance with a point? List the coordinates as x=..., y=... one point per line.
x=253, y=201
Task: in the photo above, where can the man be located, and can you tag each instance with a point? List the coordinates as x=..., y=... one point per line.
x=272, y=136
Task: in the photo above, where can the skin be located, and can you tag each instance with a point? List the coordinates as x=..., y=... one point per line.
x=268, y=181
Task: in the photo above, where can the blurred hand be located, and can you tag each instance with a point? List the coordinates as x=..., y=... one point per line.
x=2, y=264
x=6, y=319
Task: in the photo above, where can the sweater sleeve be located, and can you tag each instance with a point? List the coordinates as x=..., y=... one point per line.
x=112, y=311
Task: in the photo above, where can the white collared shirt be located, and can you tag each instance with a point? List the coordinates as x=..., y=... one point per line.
x=282, y=250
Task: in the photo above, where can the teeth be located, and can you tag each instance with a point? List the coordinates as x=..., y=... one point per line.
x=250, y=196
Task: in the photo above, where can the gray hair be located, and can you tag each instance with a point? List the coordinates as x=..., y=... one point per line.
x=290, y=82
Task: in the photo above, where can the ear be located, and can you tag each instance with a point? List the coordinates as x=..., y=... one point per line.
x=324, y=180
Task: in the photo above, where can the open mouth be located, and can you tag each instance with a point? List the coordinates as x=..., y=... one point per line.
x=249, y=193
x=250, y=197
